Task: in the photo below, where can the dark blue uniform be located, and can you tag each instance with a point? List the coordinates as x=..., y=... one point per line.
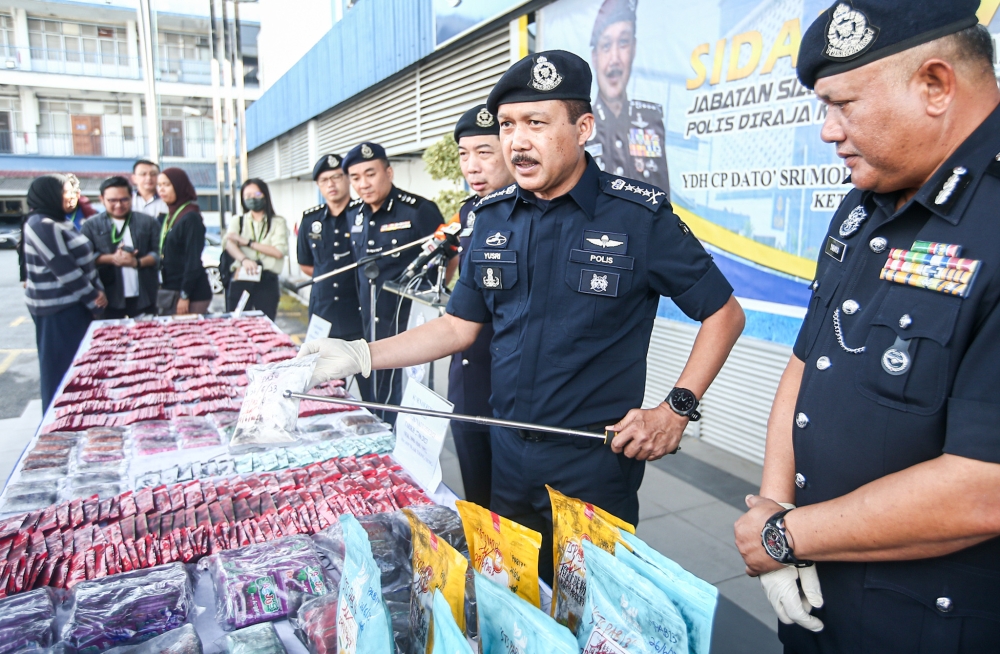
x=909, y=375
x=469, y=391
x=571, y=287
x=325, y=244
x=401, y=219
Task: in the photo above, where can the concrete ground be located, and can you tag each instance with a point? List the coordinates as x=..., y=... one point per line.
x=688, y=501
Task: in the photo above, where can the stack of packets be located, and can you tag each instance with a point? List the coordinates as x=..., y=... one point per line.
x=80, y=540
x=934, y=266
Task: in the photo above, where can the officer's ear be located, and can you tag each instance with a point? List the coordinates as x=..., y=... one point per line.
x=389, y=171
x=584, y=128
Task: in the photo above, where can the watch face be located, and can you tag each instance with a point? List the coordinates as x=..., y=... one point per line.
x=774, y=542
x=682, y=400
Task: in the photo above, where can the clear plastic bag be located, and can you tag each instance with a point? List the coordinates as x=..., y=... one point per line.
x=266, y=416
x=184, y=640
x=624, y=612
x=256, y=639
x=316, y=624
x=266, y=581
x=128, y=608
x=27, y=621
x=29, y=496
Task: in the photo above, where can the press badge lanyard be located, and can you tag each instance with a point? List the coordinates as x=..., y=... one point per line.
x=169, y=223
x=116, y=236
x=256, y=238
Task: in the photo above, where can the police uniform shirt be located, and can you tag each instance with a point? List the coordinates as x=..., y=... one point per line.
x=896, y=375
x=631, y=144
x=571, y=287
x=469, y=374
x=402, y=218
x=324, y=242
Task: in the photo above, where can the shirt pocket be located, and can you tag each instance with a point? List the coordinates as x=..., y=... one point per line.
x=597, y=293
x=818, y=315
x=497, y=275
x=907, y=358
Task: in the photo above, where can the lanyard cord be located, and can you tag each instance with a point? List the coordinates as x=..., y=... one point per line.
x=169, y=223
x=116, y=236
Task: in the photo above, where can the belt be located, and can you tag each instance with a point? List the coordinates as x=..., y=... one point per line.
x=532, y=436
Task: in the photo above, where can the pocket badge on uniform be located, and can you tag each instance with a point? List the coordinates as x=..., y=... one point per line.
x=610, y=242
x=599, y=282
x=497, y=240
x=492, y=278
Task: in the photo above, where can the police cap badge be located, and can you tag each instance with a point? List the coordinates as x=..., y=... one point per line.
x=550, y=75
x=325, y=163
x=477, y=121
x=366, y=151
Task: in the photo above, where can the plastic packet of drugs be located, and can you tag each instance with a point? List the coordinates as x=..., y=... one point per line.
x=266, y=416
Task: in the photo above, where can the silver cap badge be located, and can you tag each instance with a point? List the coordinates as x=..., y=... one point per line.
x=366, y=151
x=332, y=161
x=544, y=76
x=849, y=33
x=484, y=118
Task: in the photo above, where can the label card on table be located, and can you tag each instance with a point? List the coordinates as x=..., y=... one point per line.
x=419, y=439
x=318, y=328
x=241, y=305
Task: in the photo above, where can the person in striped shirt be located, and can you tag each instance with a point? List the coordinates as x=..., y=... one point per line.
x=63, y=291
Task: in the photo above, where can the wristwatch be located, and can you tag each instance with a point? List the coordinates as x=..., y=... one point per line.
x=774, y=538
x=684, y=403
x=184, y=295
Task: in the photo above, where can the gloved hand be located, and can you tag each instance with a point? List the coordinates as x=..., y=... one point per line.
x=338, y=359
x=793, y=592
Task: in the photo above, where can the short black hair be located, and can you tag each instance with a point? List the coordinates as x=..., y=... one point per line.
x=116, y=181
x=975, y=44
x=577, y=108
x=144, y=162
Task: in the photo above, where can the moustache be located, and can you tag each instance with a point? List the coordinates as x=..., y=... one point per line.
x=615, y=71
x=522, y=159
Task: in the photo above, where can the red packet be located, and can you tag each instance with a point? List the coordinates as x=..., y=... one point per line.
x=258, y=535
x=201, y=515
x=91, y=509
x=192, y=494
x=209, y=491
x=104, y=510
x=90, y=564
x=244, y=538
x=48, y=522
x=128, y=528
x=76, y=513
x=141, y=526
x=111, y=559
x=115, y=511
x=175, y=543
x=77, y=570
x=153, y=524
x=127, y=503
x=161, y=499
x=215, y=514
x=133, y=556
x=222, y=488
x=124, y=560
x=166, y=550
x=265, y=528
x=242, y=508
x=190, y=518
x=275, y=524
x=144, y=500
x=227, y=508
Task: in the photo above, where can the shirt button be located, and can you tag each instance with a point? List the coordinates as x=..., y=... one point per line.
x=465, y=362
x=336, y=297
x=850, y=307
x=905, y=321
x=802, y=420
x=619, y=170
x=814, y=285
x=618, y=143
x=371, y=242
x=336, y=243
x=394, y=241
x=823, y=363
x=336, y=285
x=376, y=318
x=944, y=604
x=800, y=481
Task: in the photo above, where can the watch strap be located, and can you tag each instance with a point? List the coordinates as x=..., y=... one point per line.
x=776, y=522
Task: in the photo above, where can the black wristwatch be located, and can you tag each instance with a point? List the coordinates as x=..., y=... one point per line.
x=774, y=538
x=684, y=403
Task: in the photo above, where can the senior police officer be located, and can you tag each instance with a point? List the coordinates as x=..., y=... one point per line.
x=629, y=136
x=884, y=426
x=483, y=165
x=568, y=265
x=385, y=217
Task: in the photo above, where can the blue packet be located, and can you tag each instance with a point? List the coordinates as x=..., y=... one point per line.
x=511, y=625
x=448, y=638
x=694, y=597
x=363, y=625
x=624, y=613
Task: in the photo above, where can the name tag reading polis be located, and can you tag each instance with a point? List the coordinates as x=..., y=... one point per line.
x=613, y=260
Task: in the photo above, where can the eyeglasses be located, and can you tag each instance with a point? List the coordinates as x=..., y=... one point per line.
x=118, y=201
x=332, y=179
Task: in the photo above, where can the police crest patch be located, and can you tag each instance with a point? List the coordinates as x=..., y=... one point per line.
x=849, y=33
x=333, y=161
x=853, y=221
x=599, y=283
x=544, y=76
x=316, y=227
x=484, y=118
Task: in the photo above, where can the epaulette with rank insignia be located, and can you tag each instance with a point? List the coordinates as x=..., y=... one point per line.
x=312, y=210
x=497, y=196
x=647, y=106
x=406, y=198
x=647, y=195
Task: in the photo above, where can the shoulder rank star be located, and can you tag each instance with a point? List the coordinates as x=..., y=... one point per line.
x=853, y=221
x=651, y=195
x=605, y=242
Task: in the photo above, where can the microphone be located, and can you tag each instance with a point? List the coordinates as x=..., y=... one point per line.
x=445, y=242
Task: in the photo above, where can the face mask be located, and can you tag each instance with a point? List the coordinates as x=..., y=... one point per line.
x=254, y=204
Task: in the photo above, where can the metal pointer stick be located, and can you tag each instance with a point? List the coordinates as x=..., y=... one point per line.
x=606, y=437
x=363, y=261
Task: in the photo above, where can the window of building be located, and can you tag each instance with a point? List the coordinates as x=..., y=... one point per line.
x=85, y=43
x=7, y=37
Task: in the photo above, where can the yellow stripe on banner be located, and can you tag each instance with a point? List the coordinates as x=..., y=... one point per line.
x=522, y=31
x=747, y=248
x=987, y=9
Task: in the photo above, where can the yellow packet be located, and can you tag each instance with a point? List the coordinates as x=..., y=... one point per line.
x=436, y=565
x=502, y=550
x=574, y=521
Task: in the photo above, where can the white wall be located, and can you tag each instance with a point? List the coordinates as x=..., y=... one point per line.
x=287, y=33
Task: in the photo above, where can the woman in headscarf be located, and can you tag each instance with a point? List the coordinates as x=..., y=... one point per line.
x=184, y=285
x=63, y=291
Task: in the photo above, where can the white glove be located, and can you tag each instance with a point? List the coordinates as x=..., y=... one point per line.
x=338, y=359
x=793, y=592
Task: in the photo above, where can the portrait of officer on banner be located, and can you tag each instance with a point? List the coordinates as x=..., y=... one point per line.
x=629, y=137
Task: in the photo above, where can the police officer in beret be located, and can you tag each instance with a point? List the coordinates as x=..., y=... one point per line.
x=629, y=136
x=384, y=218
x=876, y=525
x=485, y=170
x=568, y=265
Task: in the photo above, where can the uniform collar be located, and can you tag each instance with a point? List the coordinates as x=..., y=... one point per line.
x=973, y=156
x=388, y=204
x=584, y=193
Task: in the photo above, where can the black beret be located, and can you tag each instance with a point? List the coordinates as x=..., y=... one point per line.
x=362, y=152
x=549, y=75
x=612, y=11
x=849, y=34
x=477, y=121
x=325, y=163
